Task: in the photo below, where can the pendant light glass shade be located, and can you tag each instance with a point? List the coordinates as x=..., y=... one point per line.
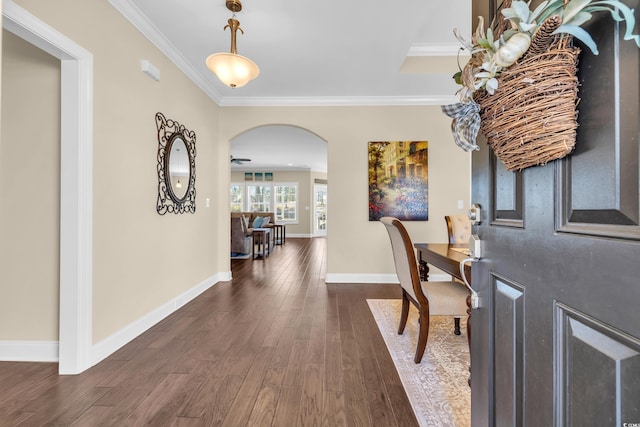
x=232, y=69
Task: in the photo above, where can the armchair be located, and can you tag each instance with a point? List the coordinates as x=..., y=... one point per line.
x=241, y=235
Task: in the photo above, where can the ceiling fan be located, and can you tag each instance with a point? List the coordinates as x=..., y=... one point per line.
x=239, y=161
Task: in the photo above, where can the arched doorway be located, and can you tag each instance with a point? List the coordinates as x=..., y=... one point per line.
x=280, y=160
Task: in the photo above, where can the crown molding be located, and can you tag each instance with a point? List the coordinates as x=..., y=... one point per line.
x=151, y=32
x=374, y=101
x=424, y=49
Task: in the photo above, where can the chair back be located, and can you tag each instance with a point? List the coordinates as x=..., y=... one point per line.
x=459, y=229
x=404, y=257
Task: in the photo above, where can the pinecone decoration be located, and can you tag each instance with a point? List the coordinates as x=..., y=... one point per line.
x=543, y=37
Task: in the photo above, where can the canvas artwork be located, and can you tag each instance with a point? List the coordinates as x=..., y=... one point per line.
x=398, y=180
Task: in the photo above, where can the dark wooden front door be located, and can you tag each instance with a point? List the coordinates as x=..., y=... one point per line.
x=556, y=340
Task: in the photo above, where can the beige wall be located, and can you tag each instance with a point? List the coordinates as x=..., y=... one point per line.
x=30, y=192
x=141, y=259
x=347, y=131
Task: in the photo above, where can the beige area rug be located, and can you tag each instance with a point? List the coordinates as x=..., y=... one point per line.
x=437, y=387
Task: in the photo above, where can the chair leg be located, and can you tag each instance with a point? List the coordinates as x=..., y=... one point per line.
x=422, y=336
x=405, y=312
x=456, y=325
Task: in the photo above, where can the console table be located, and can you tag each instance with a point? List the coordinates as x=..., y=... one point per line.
x=279, y=233
x=261, y=239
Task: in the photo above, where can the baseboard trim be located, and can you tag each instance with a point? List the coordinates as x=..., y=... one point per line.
x=375, y=278
x=110, y=345
x=29, y=351
x=48, y=351
x=298, y=235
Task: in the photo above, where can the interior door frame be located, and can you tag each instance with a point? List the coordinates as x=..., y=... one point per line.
x=76, y=184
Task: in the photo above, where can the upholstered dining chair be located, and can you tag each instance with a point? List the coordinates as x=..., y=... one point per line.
x=459, y=231
x=430, y=298
x=458, y=228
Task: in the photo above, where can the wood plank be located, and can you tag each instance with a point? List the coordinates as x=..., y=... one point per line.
x=333, y=414
x=294, y=375
x=92, y=416
x=288, y=404
x=310, y=410
x=157, y=401
x=376, y=394
x=333, y=374
x=264, y=410
x=357, y=408
x=243, y=403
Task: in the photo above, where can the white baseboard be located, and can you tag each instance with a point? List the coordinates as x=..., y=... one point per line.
x=375, y=278
x=29, y=351
x=111, y=344
x=48, y=351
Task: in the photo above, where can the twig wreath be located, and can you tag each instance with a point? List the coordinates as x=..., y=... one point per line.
x=520, y=86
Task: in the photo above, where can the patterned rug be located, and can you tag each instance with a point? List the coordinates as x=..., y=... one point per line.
x=437, y=387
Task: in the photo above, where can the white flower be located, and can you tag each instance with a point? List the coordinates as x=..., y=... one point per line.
x=491, y=85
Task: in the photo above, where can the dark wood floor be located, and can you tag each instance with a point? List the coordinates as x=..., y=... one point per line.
x=275, y=346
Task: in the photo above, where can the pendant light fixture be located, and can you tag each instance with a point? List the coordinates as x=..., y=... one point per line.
x=232, y=69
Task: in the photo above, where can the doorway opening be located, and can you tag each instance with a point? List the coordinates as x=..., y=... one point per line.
x=76, y=183
x=274, y=168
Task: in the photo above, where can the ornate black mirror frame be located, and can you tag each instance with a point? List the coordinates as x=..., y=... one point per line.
x=170, y=132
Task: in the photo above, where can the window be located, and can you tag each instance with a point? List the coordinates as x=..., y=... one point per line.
x=259, y=198
x=286, y=202
x=280, y=198
x=236, y=197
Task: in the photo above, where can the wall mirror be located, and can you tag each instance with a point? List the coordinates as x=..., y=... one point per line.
x=176, y=167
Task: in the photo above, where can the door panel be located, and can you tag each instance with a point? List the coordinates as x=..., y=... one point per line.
x=556, y=338
x=612, y=359
x=509, y=359
x=508, y=191
x=599, y=183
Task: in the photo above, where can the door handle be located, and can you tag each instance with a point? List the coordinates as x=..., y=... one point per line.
x=475, y=214
x=475, y=303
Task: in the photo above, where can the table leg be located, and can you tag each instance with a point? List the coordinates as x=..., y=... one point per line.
x=423, y=269
x=259, y=241
x=253, y=245
x=277, y=232
x=267, y=250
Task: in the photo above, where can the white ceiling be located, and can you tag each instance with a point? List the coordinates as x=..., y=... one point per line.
x=314, y=52
x=280, y=148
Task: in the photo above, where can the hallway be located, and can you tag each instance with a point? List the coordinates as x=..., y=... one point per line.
x=275, y=346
